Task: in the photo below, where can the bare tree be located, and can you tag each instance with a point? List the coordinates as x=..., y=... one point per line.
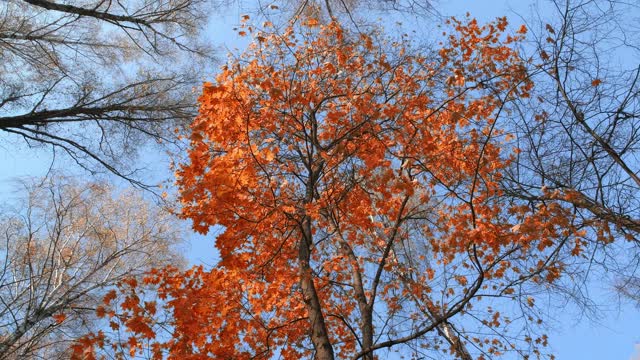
x=62, y=249
x=94, y=79
x=630, y=288
x=579, y=135
x=350, y=13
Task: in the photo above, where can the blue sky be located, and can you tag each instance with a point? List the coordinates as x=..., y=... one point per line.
x=614, y=335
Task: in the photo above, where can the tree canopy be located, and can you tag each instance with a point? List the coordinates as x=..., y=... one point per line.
x=64, y=243
x=369, y=191
x=97, y=80
x=359, y=190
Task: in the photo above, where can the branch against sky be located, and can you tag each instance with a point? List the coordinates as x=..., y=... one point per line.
x=64, y=244
x=97, y=80
x=579, y=133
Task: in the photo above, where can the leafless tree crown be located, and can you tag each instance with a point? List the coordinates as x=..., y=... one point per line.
x=61, y=249
x=94, y=79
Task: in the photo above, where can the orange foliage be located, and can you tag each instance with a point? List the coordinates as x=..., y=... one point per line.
x=59, y=318
x=391, y=160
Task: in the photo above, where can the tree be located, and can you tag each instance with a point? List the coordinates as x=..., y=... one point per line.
x=579, y=131
x=95, y=79
x=360, y=194
x=350, y=10
x=63, y=248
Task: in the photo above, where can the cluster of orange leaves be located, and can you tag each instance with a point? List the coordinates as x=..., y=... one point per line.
x=391, y=144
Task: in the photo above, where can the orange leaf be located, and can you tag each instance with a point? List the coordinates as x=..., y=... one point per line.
x=59, y=317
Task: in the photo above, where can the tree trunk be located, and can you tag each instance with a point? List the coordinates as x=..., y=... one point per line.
x=367, y=331
x=319, y=335
x=448, y=332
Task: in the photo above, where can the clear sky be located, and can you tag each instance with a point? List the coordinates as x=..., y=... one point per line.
x=614, y=336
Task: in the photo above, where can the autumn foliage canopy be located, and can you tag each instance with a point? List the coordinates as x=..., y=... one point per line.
x=357, y=184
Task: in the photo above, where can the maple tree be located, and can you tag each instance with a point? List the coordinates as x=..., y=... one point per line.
x=358, y=187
